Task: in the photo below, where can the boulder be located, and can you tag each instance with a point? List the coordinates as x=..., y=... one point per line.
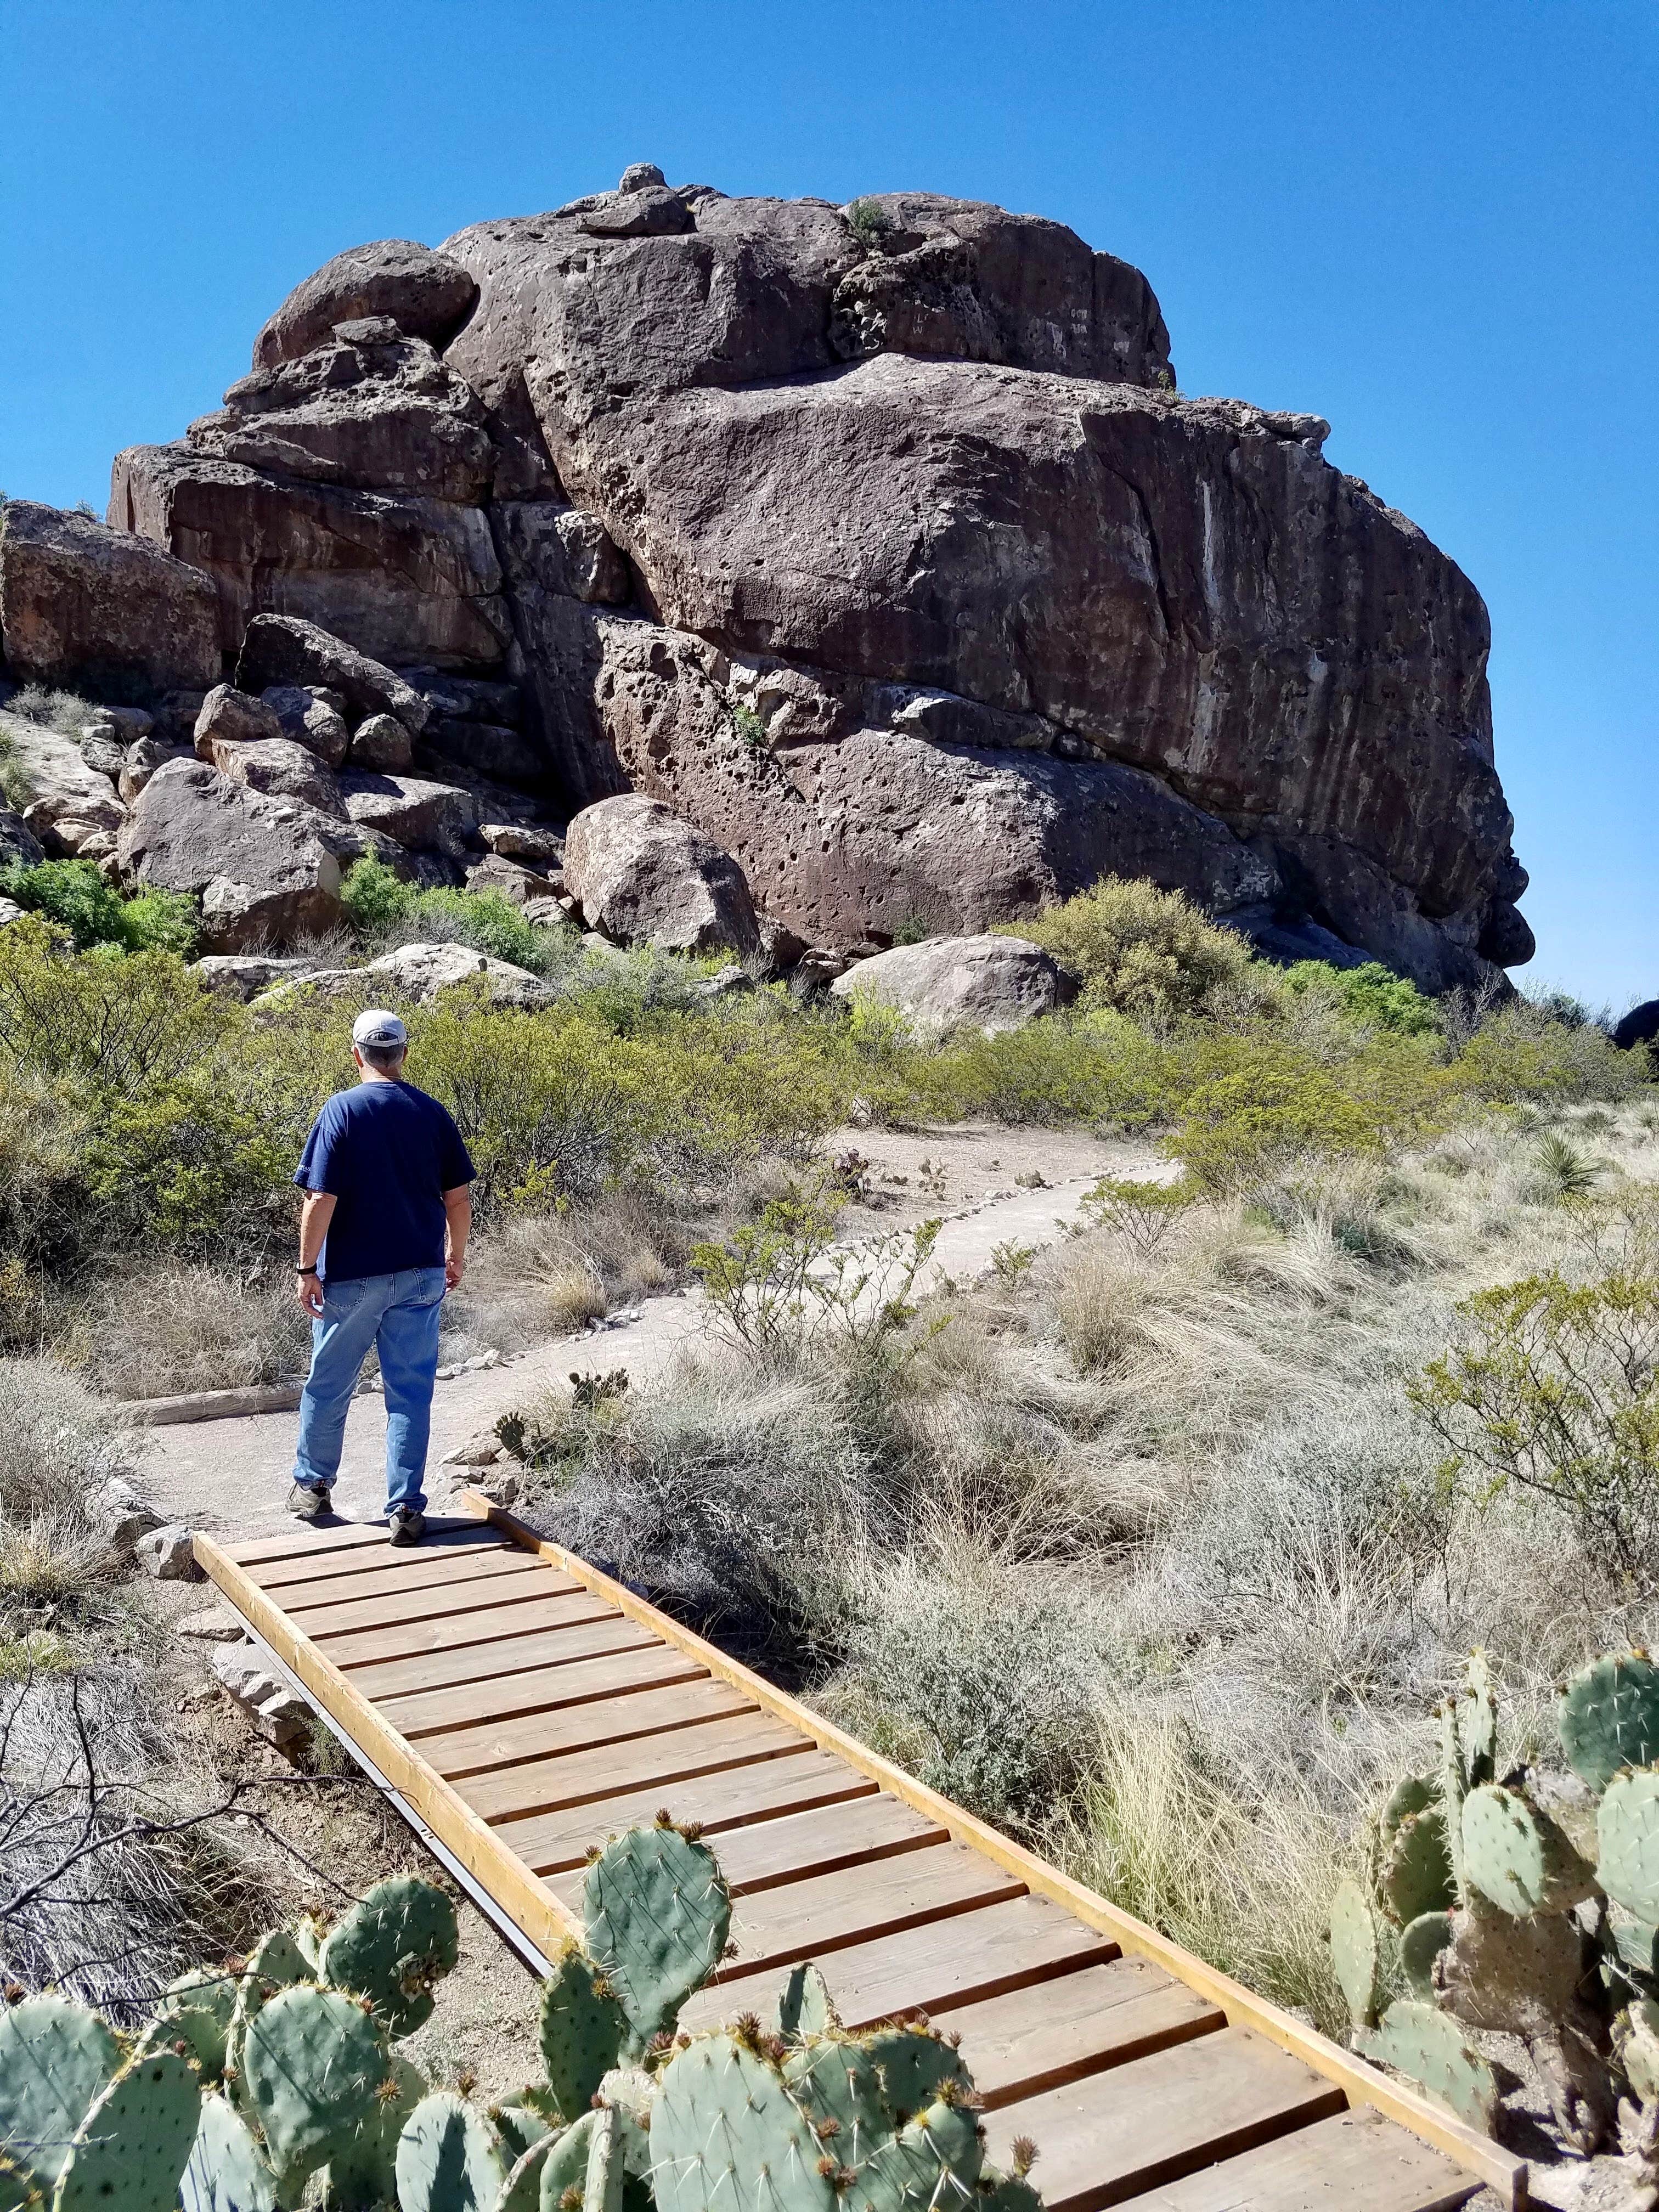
x=119, y=1514
x=520, y=840
x=518, y=885
x=281, y=650
x=83, y=605
x=272, y=1708
x=232, y=717
x=1639, y=1026
x=141, y=761
x=266, y=869
x=988, y=984
x=19, y=846
x=47, y=765
x=126, y=725
x=424, y=294
x=312, y=717
x=406, y=578
x=169, y=1553
x=382, y=742
x=64, y=826
x=560, y=548
x=417, y=973
x=278, y=766
x=642, y=876
x=243, y=976
x=506, y=755
x=10, y=912
x=102, y=750
x=416, y=812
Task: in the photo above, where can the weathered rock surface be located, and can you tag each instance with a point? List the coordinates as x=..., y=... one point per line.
x=266, y=869
x=244, y=974
x=83, y=605
x=232, y=717
x=1639, y=1026
x=424, y=816
x=424, y=295
x=642, y=876
x=382, y=741
x=312, y=717
x=877, y=543
x=19, y=846
x=419, y=972
x=141, y=761
x=281, y=651
x=278, y=766
x=989, y=983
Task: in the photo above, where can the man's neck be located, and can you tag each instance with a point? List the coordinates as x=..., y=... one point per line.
x=374, y=1075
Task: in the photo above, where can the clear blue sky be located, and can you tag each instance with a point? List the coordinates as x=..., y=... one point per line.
x=1432, y=221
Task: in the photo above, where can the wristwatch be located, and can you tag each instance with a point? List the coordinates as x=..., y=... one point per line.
x=304, y=1271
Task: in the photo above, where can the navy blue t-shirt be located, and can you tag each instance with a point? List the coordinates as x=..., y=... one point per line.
x=388, y=1153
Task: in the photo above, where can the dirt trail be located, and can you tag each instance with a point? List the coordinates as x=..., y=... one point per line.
x=231, y=1476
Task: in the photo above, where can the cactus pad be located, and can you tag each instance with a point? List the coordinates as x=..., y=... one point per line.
x=727, y=2136
x=835, y=2078
x=520, y=2127
x=1422, y=2044
x=362, y=2172
x=1515, y=1855
x=1635, y=1942
x=657, y=1915
x=1514, y=1976
x=1006, y=2192
x=449, y=2158
x=1610, y=1717
x=583, y=2030
x=56, y=2059
x=1636, y=2046
x=312, y=2062
x=1420, y=1945
x=565, y=2166
x=630, y=2092
x=1356, y=1953
x=1415, y=1794
x=200, y=2007
x=1627, y=1829
x=225, y=2172
x=1417, y=1873
x=914, y=2064
x=933, y=2166
x=804, y=2005
x=522, y=2189
x=602, y=2191
x=392, y=1948
x=135, y=2143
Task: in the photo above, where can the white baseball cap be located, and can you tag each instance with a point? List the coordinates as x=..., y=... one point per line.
x=379, y=1028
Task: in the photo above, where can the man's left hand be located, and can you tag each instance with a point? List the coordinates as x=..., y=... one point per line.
x=453, y=1270
x=309, y=1292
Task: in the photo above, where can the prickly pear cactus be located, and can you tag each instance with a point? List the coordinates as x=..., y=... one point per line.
x=1627, y=1829
x=312, y=2062
x=564, y=2170
x=1518, y=1977
x=583, y=2028
x=1635, y=1949
x=225, y=2172
x=1357, y=1954
x=520, y=2127
x=727, y=2136
x=1413, y=1793
x=1416, y=1875
x=56, y=2059
x=837, y=2083
x=449, y=2158
x=1610, y=1717
x=804, y=2006
x=1636, y=2046
x=391, y=1947
x=916, y=2067
x=1422, y=2044
x=1420, y=1945
x=931, y=2166
x=275, y=1962
x=1515, y=1855
x=133, y=2146
x=362, y=2171
x=199, y=2007
x=522, y=2189
x=602, y=2188
x=656, y=1915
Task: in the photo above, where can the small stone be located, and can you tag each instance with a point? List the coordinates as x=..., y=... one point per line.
x=446, y=1374
x=481, y=1450
x=382, y=742
x=211, y=1625
x=272, y=1707
x=169, y=1553
x=481, y=1360
x=10, y=912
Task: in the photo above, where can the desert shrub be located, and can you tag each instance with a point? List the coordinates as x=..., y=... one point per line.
x=1100, y=1069
x=187, y=1165
x=117, y=1023
x=66, y=712
x=1373, y=995
x=1518, y=1055
x=782, y=1284
x=982, y=1689
x=218, y=1329
x=381, y=906
x=14, y=787
x=1269, y=1109
x=373, y=896
x=1564, y=1171
x=870, y=223
x=1138, y=951
x=73, y=893
x=1142, y=1212
x=1553, y=1389
x=535, y=1275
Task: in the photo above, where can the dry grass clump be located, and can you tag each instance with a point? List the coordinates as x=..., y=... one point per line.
x=203, y=1328
x=531, y=1277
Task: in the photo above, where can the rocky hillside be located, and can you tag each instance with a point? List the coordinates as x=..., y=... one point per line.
x=875, y=542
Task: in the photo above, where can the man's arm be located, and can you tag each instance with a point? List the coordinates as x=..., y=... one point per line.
x=314, y=1216
x=458, y=1220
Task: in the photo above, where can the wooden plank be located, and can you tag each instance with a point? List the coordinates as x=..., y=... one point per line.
x=466, y=1750
x=1354, y=2161
x=465, y=1632
x=731, y=1797
x=980, y=1954
x=1117, y=2135
x=446, y=1669
x=282, y=1578
x=653, y=1762
x=829, y=1912
x=305, y=1539
x=419, y=1713
x=856, y=1833
x=1056, y=2032
x=1500, y=2168
x=310, y=1607
x=514, y=1888
x=404, y=1608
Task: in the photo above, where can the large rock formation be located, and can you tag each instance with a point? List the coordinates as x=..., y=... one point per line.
x=877, y=543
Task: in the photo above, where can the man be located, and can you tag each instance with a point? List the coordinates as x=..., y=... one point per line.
x=383, y=1235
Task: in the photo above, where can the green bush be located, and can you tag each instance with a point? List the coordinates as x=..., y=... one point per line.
x=870, y=223
x=1373, y=995
x=378, y=903
x=1142, y=952
x=1268, y=1110
x=74, y=894
x=1519, y=1056
x=112, y=1022
x=66, y=712
x=374, y=898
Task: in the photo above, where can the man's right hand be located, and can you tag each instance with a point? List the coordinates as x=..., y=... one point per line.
x=309, y=1292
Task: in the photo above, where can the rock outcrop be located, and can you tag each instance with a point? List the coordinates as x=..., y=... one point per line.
x=877, y=543
x=83, y=605
x=988, y=984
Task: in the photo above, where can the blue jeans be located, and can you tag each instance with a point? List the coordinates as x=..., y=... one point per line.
x=398, y=1314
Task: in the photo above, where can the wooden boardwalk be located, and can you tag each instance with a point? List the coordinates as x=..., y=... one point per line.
x=528, y=1707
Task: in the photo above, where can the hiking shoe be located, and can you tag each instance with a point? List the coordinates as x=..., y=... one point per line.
x=408, y=1527
x=310, y=1502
